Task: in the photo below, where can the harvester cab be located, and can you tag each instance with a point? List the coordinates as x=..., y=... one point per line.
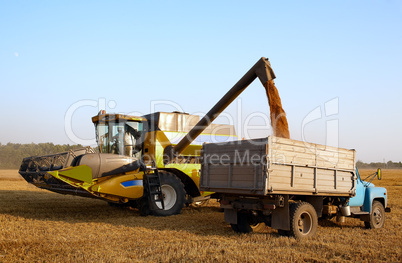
x=119, y=134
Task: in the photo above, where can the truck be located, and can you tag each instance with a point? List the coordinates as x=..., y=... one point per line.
x=288, y=184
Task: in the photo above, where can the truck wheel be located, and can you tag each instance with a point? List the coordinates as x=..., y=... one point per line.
x=174, y=195
x=243, y=225
x=303, y=220
x=377, y=216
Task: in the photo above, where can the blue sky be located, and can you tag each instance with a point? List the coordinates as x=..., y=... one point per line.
x=55, y=55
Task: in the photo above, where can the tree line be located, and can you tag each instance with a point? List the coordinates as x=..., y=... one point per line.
x=375, y=165
x=11, y=154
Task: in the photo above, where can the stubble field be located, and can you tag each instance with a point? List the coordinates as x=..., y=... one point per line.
x=40, y=226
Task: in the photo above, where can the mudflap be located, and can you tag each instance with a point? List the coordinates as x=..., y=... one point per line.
x=230, y=216
x=281, y=215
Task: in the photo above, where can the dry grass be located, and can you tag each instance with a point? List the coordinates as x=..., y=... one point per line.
x=37, y=225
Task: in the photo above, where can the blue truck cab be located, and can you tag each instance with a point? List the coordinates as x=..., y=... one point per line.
x=370, y=202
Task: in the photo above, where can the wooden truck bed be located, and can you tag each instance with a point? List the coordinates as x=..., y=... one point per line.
x=276, y=165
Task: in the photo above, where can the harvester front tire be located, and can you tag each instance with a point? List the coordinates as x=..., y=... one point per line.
x=377, y=216
x=303, y=220
x=174, y=195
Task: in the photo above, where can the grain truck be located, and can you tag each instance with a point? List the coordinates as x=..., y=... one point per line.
x=288, y=184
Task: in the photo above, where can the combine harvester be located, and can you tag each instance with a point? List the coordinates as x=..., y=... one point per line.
x=149, y=162
x=128, y=168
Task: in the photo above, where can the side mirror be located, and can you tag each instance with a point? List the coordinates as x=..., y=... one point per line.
x=371, y=177
x=379, y=175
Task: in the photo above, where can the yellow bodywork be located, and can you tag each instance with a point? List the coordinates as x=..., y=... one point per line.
x=155, y=144
x=120, y=187
x=169, y=130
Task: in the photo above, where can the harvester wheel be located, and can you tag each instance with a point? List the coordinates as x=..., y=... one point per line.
x=303, y=220
x=174, y=195
x=377, y=216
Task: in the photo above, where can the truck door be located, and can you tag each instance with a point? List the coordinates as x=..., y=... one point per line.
x=358, y=199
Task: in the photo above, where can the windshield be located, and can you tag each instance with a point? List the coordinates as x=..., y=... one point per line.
x=123, y=138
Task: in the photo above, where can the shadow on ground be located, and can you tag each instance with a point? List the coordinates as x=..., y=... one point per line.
x=47, y=206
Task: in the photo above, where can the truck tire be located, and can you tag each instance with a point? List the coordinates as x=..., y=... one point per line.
x=243, y=225
x=303, y=220
x=377, y=216
x=174, y=195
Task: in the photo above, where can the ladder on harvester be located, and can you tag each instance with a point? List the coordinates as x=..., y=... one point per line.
x=154, y=190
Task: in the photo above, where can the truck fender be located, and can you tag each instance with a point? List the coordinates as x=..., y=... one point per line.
x=317, y=202
x=374, y=193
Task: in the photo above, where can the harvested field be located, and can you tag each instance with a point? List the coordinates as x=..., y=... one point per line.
x=37, y=225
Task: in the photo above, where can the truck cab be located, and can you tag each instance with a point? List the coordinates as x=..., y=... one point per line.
x=370, y=202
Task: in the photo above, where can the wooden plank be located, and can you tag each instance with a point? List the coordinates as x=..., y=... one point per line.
x=231, y=150
x=298, y=160
x=326, y=179
x=322, y=150
x=277, y=167
x=326, y=184
x=322, y=173
x=306, y=172
x=217, y=177
x=218, y=169
x=220, y=183
x=304, y=183
x=275, y=178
